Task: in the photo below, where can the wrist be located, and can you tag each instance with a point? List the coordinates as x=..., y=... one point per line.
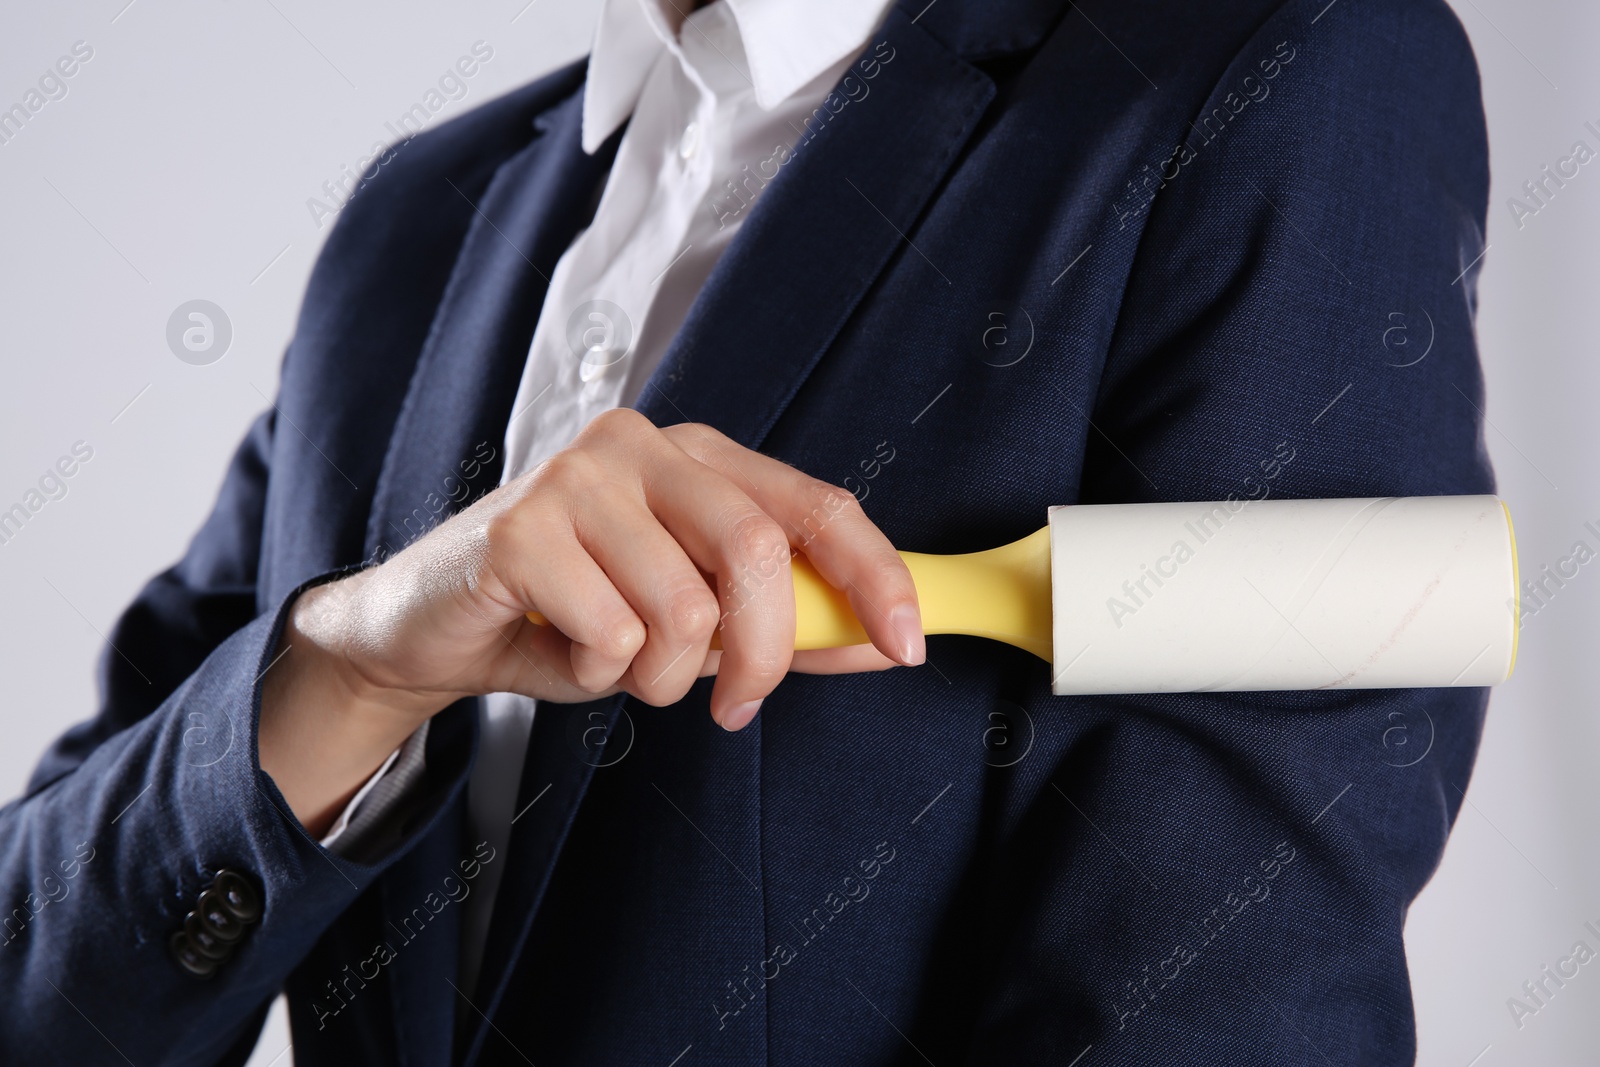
x=325, y=725
x=325, y=631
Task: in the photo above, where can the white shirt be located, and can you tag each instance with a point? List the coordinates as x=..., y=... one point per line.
x=717, y=100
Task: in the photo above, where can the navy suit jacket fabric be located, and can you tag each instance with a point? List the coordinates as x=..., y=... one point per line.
x=1046, y=253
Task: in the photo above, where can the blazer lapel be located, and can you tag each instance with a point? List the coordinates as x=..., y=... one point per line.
x=831, y=220
x=449, y=434
x=837, y=212
x=422, y=928
x=453, y=423
x=553, y=783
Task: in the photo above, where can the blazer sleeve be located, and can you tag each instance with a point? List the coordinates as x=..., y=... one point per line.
x=130, y=817
x=1230, y=880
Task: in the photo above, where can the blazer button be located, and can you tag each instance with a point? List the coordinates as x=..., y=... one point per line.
x=214, y=916
x=225, y=909
x=239, y=895
x=202, y=940
x=190, y=959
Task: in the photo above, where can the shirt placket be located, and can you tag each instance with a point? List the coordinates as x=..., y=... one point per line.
x=675, y=154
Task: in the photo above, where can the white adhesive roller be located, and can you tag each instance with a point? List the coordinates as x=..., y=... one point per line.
x=1359, y=593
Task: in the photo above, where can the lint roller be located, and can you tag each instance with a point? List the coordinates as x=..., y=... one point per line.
x=1357, y=593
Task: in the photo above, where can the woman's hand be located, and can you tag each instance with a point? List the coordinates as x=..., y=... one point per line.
x=636, y=543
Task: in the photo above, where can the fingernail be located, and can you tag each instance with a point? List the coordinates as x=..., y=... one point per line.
x=739, y=716
x=908, y=625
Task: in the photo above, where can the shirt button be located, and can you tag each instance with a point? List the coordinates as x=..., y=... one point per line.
x=597, y=363
x=601, y=336
x=690, y=141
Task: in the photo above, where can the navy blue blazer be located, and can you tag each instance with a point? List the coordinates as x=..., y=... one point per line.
x=1050, y=253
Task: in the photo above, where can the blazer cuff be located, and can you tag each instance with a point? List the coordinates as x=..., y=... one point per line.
x=163, y=831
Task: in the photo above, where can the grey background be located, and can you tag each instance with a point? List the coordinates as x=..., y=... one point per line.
x=178, y=166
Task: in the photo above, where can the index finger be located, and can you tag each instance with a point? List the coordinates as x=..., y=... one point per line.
x=829, y=526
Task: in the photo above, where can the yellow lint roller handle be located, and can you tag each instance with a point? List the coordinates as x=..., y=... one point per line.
x=1002, y=593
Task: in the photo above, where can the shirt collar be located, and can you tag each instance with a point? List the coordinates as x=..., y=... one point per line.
x=787, y=44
